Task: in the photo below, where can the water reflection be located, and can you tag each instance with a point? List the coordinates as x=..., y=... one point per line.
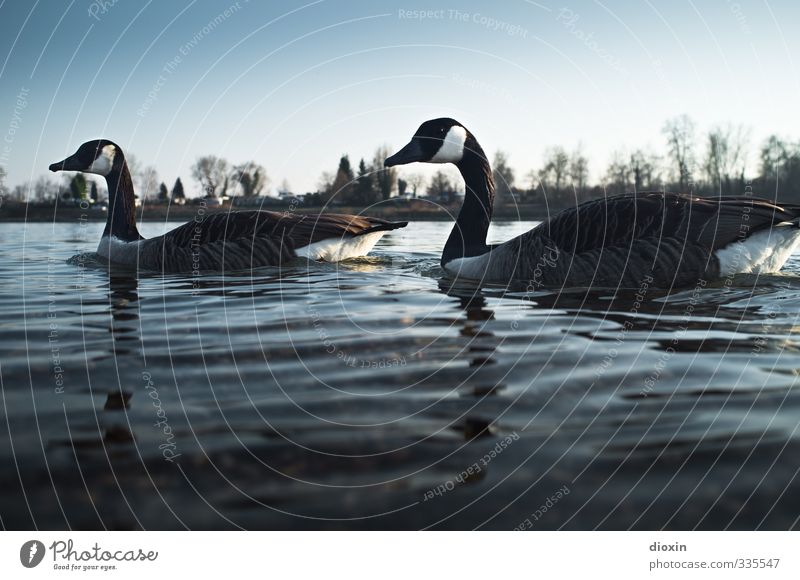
x=125, y=323
x=339, y=395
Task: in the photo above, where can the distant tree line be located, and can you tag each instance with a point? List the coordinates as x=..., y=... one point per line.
x=370, y=183
x=712, y=163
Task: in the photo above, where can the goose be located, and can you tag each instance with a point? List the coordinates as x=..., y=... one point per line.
x=655, y=238
x=218, y=242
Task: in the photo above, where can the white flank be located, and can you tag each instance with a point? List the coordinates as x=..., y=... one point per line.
x=115, y=250
x=763, y=252
x=104, y=162
x=452, y=149
x=336, y=249
x=474, y=267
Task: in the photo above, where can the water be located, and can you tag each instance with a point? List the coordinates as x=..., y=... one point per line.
x=377, y=394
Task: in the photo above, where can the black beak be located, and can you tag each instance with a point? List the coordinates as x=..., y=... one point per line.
x=408, y=154
x=69, y=164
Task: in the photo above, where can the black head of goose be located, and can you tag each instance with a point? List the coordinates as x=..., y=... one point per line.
x=651, y=239
x=219, y=242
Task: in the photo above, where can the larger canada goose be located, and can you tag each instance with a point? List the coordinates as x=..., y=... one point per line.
x=661, y=239
x=225, y=241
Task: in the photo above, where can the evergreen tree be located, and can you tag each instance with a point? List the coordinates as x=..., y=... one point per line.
x=342, y=186
x=364, y=191
x=94, y=195
x=402, y=186
x=163, y=194
x=177, y=191
x=77, y=187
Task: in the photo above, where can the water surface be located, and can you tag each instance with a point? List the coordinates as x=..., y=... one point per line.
x=375, y=393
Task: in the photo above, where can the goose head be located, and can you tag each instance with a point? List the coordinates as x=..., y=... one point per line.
x=446, y=140
x=99, y=156
x=105, y=158
x=441, y=140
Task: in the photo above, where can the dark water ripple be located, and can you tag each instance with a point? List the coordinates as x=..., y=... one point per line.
x=377, y=394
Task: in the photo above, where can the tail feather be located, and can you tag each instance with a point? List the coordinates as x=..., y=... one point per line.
x=383, y=226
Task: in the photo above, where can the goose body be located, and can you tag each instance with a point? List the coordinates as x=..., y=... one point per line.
x=662, y=239
x=219, y=242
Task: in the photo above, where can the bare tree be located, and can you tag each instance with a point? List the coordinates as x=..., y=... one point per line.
x=148, y=182
x=649, y=169
x=644, y=173
x=441, y=187
x=250, y=178
x=780, y=169
x=618, y=173
x=680, y=143
x=133, y=165
x=773, y=153
x=416, y=181
x=3, y=186
x=211, y=173
x=385, y=177
x=554, y=173
x=503, y=177
x=19, y=193
x=44, y=189
x=578, y=171
x=534, y=179
x=724, y=158
x=325, y=182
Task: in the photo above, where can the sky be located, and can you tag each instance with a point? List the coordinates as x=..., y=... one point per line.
x=293, y=85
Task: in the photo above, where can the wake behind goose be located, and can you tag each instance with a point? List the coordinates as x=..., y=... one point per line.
x=227, y=241
x=664, y=239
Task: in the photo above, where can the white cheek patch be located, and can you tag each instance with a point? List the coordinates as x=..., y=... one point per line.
x=452, y=149
x=104, y=162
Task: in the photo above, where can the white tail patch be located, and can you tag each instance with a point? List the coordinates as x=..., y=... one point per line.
x=761, y=253
x=473, y=267
x=115, y=250
x=337, y=249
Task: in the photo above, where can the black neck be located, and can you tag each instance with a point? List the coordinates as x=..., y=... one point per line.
x=468, y=237
x=121, y=205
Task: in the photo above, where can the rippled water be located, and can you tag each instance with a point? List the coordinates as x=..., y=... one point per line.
x=376, y=394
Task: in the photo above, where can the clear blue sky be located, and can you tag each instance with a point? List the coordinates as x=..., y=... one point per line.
x=293, y=85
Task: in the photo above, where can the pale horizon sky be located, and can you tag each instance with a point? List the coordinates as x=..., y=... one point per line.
x=293, y=85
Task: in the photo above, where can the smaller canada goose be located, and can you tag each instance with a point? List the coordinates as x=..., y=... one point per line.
x=662, y=239
x=225, y=241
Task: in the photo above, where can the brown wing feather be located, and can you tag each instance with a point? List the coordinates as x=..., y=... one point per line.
x=624, y=239
x=619, y=220
x=248, y=239
x=288, y=229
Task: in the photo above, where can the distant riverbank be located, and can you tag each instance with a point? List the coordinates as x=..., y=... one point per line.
x=21, y=212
